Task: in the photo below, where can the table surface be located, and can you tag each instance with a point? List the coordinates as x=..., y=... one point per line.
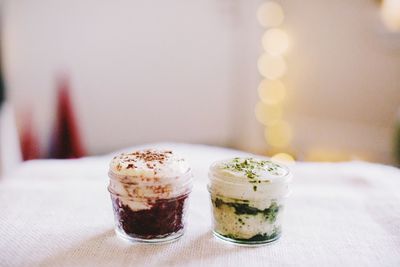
x=58, y=213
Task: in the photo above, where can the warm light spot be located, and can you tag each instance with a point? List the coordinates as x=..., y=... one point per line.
x=270, y=14
x=328, y=154
x=268, y=114
x=390, y=13
x=275, y=42
x=279, y=134
x=283, y=158
x=271, y=67
x=271, y=92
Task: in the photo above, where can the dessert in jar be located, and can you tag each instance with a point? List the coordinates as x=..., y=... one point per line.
x=248, y=196
x=149, y=191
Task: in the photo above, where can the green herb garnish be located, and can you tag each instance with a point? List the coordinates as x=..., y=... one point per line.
x=250, y=167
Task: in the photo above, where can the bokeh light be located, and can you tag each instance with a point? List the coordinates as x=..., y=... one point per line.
x=390, y=13
x=278, y=134
x=270, y=14
x=331, y=154
x=268, y=114
x=283, y=158
x=275, y=42
x=271, y=92
x=271, y=67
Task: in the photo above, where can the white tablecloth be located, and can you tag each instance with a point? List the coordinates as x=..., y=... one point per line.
x=58, y=213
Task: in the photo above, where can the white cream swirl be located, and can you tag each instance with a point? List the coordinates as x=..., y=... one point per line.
x=249, y=179
x=149, y=163
x=140, y=177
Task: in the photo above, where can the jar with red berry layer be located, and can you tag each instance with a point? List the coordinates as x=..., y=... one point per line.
x=149, y=191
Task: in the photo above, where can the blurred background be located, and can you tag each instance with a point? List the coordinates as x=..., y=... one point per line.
x=315, y=82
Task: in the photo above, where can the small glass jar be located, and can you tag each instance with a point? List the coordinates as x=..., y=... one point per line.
x=149, y=208
x=248, y=196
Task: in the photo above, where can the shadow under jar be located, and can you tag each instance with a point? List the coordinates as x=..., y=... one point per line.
x=149, y=206
x=248, y=197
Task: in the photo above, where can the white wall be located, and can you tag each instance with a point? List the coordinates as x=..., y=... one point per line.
x=185, y=70
x=141, y=71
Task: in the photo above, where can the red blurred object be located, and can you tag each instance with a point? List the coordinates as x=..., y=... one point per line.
x=66, y=141
x=29, y=140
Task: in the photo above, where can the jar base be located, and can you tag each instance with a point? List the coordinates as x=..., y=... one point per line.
x=246, y=243
x=168, y=239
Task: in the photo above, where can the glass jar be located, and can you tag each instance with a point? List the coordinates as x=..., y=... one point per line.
x=248, y=197
x=149, y=208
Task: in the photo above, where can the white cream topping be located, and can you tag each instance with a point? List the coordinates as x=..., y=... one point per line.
x=249, y=178
x=142, y=176
x=149, y=163
x=249, y=168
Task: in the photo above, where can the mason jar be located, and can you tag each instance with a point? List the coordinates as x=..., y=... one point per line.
x=248, y=197
x=149, y=192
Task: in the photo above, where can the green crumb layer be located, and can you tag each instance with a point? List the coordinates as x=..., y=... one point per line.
x=269, y=213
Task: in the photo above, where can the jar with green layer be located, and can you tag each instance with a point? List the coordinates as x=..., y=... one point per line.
x=248, y=197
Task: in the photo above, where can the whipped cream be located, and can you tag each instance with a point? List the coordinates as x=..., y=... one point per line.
x=141, y=177
x=149, y=163
x=249, y=178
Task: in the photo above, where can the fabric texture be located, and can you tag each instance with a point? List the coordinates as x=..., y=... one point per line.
x=58, y=213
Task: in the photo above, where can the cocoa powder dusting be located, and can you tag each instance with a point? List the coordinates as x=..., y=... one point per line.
x=150, y=157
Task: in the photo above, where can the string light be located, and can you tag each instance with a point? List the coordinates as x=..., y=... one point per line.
x=390, y=13
x=278, y=134
x=275, y=42
x=283, y=158
x=271, y=92
x=270, y=14
x=271, y=67
x=268, y=114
